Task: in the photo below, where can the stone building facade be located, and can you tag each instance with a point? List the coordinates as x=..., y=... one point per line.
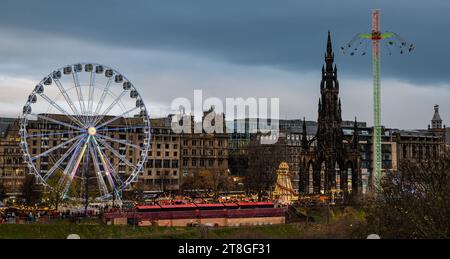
x=201, y=151
x=12, y=168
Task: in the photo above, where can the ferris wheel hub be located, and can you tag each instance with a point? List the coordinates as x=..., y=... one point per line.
x=92, y=131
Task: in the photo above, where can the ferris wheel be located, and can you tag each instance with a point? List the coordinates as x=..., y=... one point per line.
x=85, y=129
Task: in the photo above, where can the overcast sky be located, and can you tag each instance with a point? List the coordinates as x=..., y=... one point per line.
x=233, y=48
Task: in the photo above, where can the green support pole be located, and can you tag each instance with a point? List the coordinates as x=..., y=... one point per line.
x=376, y=37
x=377, y=116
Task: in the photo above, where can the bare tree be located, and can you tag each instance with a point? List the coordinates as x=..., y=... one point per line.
x=263, y=162
x=221, y=181
x=56, y=191
x=2, y=191
x=207, y=180
x=413, y=203
x=30, y=190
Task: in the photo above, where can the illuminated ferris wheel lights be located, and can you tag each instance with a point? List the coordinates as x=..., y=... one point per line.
x=92, y=131
x=84, y=105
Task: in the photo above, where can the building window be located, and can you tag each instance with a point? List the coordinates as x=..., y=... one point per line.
x=166, y=163
x=150, y=163
x=194, y=152
x=185, y=152
x=167, y=153
x=175, y=153
x=158, y=163
x=175, y=173
x=167, y=146
x=194, y=162
x=174, y=163
x=158, y=146
x=185, y=162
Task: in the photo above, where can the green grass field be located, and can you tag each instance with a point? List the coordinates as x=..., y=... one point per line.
x=341, y=224
x=99, y=231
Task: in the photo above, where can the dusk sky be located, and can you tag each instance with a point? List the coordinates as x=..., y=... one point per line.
x=233, y=48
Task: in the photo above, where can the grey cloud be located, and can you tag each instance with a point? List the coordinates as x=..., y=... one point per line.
x=285, y=34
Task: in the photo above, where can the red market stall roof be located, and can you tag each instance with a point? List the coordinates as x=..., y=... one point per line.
x=230, y=205
x=148, y=207
x=255, y=204
x=181, y=206
x=209, y=205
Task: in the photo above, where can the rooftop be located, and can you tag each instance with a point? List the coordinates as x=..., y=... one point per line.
x=4, y=124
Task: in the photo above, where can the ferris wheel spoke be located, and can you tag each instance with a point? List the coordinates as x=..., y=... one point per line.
x=105, y=165
x=122, y=128
x=53, y=134
x=55, y=148
x=91, y=92
x=116, y=118
x=79, y=92
x=103, y=96
x=66, y=97
x=101, y=182
x=57, y=121
x=54, y=104
x=119, y=141
x=69, y=165
x=115, y=175
x=111, y=167
x=117, y=154
x=59, y=162
x=110, y=107
x=75, y=168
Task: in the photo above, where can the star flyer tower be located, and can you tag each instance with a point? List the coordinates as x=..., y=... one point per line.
x=359, y=43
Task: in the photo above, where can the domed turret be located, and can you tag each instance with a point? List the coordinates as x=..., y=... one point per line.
x=283, y=166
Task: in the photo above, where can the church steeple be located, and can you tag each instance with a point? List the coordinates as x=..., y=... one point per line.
x=355, y=140
x=305, y=145
x=329, y=56
x=328, y=71
x=329, y=46
x=329, y=119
